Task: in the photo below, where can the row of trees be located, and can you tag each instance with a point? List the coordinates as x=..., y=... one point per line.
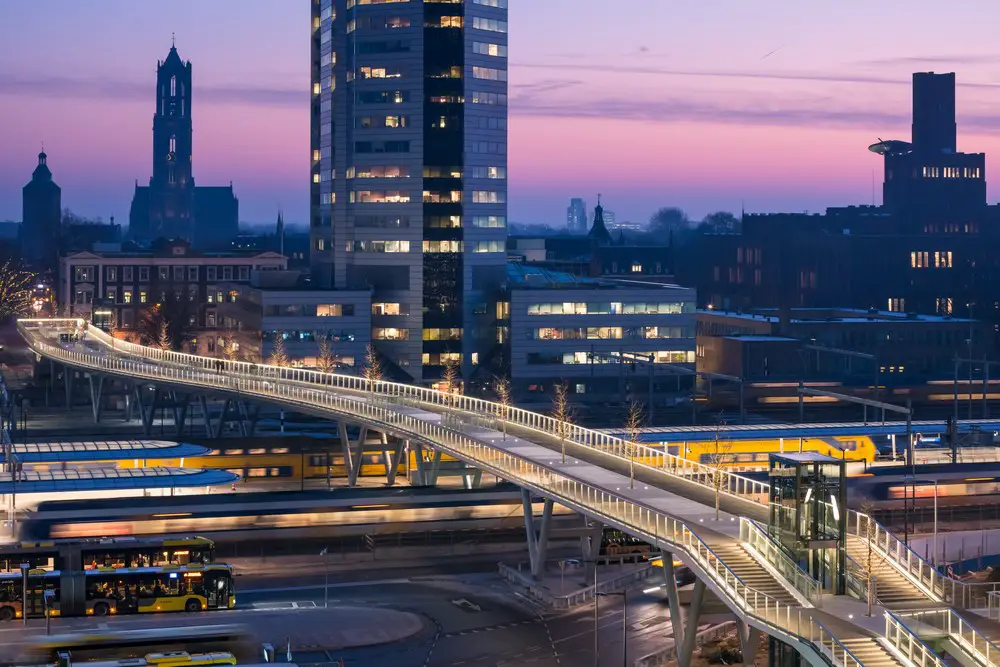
x=671, y=220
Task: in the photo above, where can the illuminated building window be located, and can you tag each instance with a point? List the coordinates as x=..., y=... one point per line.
x=897, y=305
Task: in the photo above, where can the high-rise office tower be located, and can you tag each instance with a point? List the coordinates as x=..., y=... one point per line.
x=409, y=171
x=576, y=216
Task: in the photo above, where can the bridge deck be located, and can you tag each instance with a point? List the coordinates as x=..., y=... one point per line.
x=670, y=503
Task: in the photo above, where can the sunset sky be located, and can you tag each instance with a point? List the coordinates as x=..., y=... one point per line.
x=702, y=105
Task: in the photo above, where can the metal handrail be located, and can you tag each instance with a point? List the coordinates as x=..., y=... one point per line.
x=836, y=650
x=771, y=551
x=904, y=640
x=963, y=633
x=637, y=518
x=644, y=456
x=896, y=552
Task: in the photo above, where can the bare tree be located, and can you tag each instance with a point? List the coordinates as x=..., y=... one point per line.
x=278, y=356
x=452, y=378
x=562, y=412
x=502, y=388
x=163, y=339
x=113, y=326
x=227, y=344
x=326, y=360
x=15, y=291
x=633, y=422
x=373, y=366
x=718, y=459
x=174, y=311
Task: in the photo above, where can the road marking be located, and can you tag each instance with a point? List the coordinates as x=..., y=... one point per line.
x=465, y=605
x=353, y=584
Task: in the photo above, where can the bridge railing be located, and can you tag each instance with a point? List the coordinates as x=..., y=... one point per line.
x=979, y=648
x=900, y=555
x=613, y=509
x=752, y=534
x=958, y=594
x=904, y=640
x=712, y=477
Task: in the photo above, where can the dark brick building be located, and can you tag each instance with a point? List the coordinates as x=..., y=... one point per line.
x=928, y=249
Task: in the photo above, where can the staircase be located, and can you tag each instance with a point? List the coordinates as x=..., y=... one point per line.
x=893, y=590
x=870, y=652
x=751, y=572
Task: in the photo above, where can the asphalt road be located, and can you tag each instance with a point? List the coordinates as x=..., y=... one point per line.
x=475, y=620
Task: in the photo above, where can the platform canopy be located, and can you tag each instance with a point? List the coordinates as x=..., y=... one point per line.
x=31, y=481
x=103, y=450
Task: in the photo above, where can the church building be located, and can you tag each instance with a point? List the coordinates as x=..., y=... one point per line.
x=171, y=206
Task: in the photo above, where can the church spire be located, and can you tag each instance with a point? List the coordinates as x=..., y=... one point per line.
x=599, y=232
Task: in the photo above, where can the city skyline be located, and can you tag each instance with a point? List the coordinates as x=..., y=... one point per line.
x=773, y=118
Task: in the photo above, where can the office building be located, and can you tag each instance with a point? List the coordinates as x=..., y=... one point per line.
x=41, y=223
x=129, y=282
x=285, y=305
x=577, y=330
x=171, y=206
x=409, y=172
x=576, y=216
x=906, y=355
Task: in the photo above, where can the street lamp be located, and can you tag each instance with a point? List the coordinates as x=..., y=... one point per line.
x=624, y=595
x=325, y=553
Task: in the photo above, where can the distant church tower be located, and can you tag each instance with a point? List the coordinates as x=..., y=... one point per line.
x=41, y=219
x=172, y=206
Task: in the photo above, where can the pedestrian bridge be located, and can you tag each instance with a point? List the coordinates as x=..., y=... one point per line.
x=706, y=516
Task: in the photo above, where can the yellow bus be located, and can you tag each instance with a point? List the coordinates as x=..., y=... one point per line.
x=118, y=552
x=107, y=591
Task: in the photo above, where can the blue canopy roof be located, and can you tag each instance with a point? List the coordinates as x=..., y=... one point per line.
x=31, y=481
x=107, y=450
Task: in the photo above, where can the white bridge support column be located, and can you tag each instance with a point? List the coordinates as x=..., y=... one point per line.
x=690, y=625
x=473, y=478
x=538, y=544
x=393, y=456
x=749, y=641
x=180, y=408
x=96, y=382
x=146, y=402
x=353, y=451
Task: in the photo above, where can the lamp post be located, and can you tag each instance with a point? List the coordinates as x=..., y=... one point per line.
x=624, y=595
x=48, y=597
x=24, y=593
x=325, y=553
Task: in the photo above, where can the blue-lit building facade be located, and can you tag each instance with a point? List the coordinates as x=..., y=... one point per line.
x=573, y=329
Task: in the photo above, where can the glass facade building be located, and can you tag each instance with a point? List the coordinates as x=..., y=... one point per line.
x=409, y=171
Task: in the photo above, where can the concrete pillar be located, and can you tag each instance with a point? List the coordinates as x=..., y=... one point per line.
x=686, y=648
x=749, y=639
x=96, y=383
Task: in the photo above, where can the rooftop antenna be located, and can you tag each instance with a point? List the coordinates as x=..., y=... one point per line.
x=173, y=40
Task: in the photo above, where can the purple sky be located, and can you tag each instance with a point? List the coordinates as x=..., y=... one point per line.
x=654, y=103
